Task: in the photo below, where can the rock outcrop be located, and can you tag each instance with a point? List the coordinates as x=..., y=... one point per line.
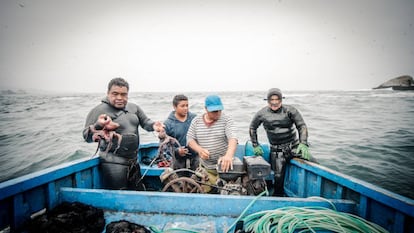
x=405, y=82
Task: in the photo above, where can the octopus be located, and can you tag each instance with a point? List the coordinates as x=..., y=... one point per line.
x=167, y=146
x=107, y=134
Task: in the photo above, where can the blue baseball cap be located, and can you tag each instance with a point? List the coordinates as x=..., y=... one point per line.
x=213, y=103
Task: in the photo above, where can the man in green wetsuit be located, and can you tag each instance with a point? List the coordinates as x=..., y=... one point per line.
x=283, y=124
x=114, y=124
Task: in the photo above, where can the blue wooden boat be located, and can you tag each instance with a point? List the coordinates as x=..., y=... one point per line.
x=307, y=185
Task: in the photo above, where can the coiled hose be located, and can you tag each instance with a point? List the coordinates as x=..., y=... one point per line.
x=305, y=219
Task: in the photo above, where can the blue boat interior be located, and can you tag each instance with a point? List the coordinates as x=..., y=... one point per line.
x=306, y=184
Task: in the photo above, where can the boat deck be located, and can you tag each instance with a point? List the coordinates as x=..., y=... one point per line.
x=206, y=212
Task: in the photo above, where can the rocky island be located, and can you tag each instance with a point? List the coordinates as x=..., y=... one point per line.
x=402, y=83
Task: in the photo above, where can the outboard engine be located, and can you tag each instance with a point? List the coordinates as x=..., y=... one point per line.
x=257, y=170
x=246, y=178
x=230, y=183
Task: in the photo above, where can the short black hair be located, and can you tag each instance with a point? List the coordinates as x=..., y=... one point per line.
x=179, y=98
x=118, y=82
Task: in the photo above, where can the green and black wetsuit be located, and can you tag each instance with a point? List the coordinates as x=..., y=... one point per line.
x=285, y=129
x=119, y=166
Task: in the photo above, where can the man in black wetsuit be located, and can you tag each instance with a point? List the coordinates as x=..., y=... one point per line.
x=283, y=124
x=114, y=124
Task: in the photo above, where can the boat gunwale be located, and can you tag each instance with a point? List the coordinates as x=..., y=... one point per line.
x=21, y=184
x=363, y=188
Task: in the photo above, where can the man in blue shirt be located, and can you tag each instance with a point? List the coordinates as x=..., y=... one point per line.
x=176, y=126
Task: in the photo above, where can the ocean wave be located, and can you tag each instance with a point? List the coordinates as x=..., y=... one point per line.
x=363, y=133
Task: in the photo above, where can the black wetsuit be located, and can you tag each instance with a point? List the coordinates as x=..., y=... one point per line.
x=119, y=166
x=285, y=129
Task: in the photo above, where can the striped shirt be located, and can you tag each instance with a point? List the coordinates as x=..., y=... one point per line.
x=214, y=138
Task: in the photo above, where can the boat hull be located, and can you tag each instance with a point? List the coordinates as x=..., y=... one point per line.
x=80, y=181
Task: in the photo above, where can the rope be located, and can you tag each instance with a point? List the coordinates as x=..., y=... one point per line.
x=307, y=219
x=248, y=207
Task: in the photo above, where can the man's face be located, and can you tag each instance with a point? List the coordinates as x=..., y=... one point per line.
x=118, y=96
x=182, y=108
x=214, y=115
x=274, y=102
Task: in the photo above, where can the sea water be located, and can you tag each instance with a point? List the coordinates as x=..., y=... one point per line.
x=367, y=134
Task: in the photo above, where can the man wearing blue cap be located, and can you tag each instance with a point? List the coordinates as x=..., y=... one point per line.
x=212, y=136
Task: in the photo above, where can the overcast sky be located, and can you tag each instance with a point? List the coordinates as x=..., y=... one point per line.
x=204, y=45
